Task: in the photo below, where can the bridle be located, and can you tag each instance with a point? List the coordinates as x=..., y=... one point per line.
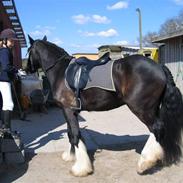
x=54, y=64
x=45, y=69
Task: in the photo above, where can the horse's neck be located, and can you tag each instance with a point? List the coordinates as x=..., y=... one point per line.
x=57, y=73
x=56, y=66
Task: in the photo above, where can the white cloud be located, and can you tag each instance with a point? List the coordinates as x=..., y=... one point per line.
x=123, y=42
x=108, y=33
x=80, y=19
x=83, y=19
x=49, y=27
x=89, y=34
x=118, y=5
x=57, y=41
x=41, y=31
x=100, y=19
x=179, y=2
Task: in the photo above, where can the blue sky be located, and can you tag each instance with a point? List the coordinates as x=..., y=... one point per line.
x=84, y=25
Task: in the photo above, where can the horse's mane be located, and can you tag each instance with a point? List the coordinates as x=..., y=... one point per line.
x=56, y=50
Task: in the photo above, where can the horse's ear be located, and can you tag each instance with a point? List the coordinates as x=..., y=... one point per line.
x=31, y=41
x=45, y=38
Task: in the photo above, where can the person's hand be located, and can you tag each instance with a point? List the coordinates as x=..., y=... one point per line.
x=21, y=72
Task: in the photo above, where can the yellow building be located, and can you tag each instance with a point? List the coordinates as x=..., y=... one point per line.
x=92, y=56
x=149, y=52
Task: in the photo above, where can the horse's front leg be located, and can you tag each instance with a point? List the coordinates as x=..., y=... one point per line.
x=69, y=155
x=82, y=165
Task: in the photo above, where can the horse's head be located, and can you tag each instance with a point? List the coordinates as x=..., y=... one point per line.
x=33, y=63
x=44, y=54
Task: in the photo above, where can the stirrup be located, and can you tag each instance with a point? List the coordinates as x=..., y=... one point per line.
x=78, y=105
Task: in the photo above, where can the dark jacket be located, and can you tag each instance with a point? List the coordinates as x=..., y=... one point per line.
x=7, y=70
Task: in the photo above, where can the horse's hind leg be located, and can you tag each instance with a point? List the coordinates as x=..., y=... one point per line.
x=150, y=155
x=82, y=165
x=152, y=151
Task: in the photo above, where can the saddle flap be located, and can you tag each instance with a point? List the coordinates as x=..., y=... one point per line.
x=77, y=73
x=76, y=76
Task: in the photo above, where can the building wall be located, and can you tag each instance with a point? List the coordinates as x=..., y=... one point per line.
x=171, y=54
x=172, y=51
x=5, y=23
x=87, y=55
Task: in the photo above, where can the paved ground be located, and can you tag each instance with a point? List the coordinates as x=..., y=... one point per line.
x=114, y=138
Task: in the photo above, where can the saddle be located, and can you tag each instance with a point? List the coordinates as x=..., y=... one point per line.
x=77, y=73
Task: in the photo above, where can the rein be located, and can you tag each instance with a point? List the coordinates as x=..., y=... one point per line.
x=53, y=65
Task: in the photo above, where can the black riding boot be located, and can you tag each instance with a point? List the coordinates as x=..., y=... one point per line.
x=6, y=120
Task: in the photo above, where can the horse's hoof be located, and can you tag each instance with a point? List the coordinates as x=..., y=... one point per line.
x=144, y=166
x=67, y=156
x=81, y=172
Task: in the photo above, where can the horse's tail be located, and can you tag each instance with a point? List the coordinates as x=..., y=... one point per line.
x=171, y=114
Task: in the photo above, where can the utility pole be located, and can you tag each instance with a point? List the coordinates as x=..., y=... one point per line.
x=140, y=27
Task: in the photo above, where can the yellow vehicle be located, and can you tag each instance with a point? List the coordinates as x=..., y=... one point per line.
x=149, y=52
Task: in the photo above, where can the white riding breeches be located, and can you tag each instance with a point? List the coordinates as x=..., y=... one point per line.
x=5, y=89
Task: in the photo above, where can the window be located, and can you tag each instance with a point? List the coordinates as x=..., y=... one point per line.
x=147, y=55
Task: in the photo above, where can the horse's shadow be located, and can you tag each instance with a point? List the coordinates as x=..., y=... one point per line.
x=94, y=139
x=111, y=142
x=43, y=127
x=106, y=141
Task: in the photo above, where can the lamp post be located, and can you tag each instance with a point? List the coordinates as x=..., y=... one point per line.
x=140, y=27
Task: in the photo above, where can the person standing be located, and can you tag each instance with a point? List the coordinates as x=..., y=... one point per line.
x=7, y=74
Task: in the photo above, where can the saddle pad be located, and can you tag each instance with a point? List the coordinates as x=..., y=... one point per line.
x=101, y=77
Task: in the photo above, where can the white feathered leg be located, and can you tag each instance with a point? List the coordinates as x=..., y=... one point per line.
x=68, y=155
x=151, y=153
x=82, y=166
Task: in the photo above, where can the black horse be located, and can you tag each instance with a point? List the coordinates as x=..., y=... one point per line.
x=146, y=87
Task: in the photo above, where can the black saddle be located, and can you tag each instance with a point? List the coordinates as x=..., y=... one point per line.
x=77, y=73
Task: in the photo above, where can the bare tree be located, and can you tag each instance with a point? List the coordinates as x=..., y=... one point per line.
x=147, y=39
x=170, y=25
